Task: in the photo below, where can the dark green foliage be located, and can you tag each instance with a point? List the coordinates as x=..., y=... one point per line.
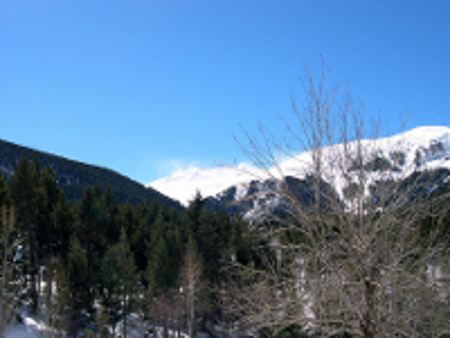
x=81, y=291
x=120, y=281
x=63, y=219
x=119, y=255
x=24, y=193
x=145, y=216
x=163, y=255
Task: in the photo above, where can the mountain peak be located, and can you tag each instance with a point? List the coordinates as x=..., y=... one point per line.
x=425, y=147
x=183, y=185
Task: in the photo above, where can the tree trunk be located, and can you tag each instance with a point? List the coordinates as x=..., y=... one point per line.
x=124, y=316
x=368, y=322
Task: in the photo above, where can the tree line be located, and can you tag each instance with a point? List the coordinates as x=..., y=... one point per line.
x=85, y=266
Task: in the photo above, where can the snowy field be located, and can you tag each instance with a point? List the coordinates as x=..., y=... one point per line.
x=22, y=331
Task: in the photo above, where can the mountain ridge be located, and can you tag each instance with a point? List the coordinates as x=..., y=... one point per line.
x=73, y=177
x=425, y=147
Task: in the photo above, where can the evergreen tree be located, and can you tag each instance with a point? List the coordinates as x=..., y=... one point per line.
x=208, y=243
x=193, y=214
x=63, y=226
x=140, y=238
x=120, y=280
x=11, y=281
x=91, y=233
x=23, y=186
x=81, y=289
x=157, y=273
x=48, y=197
x=110, y=211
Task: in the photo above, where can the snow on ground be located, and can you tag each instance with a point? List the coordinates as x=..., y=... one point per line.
x=21, y=331
x=136, y=328
x=29, y=327
x=25, y=330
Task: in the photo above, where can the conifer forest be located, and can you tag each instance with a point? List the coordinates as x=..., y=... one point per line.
x=82, y=267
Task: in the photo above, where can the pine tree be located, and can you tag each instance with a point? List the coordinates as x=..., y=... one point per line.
x=63, y=225
x=80, y=284
x=48, y=196
x=120, y=280
x=90, y=229
x=140, y=238
x=111, y=211
x=158, y=269
x=23, y=187
x=11, y=281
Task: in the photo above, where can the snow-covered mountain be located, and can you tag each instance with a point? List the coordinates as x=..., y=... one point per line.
x=184, y=185
x=394, y=157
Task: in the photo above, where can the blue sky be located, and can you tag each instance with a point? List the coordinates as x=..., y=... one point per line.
x=148, y=87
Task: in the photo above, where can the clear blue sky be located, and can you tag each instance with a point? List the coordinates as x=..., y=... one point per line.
x=145, y=87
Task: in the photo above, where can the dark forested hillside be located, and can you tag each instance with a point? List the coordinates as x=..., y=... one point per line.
x=73, y=177
x=105, y=261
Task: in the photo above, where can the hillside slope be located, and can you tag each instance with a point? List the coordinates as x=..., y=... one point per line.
x=73, y=177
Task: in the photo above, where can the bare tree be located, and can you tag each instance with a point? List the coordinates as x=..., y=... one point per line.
x=354, y=258
x=55, y=306
x=160, y=311
x=191, y=285
x=226, y=314
x=255, y=301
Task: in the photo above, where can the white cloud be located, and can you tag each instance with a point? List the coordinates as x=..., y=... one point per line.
x=174, y=166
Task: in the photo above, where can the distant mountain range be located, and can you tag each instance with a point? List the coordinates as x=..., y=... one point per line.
x=73, y=177
x=242, y=188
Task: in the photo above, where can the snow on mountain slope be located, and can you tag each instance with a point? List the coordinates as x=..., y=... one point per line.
x=183, y=185
x=422, y=148
x=418, y=149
